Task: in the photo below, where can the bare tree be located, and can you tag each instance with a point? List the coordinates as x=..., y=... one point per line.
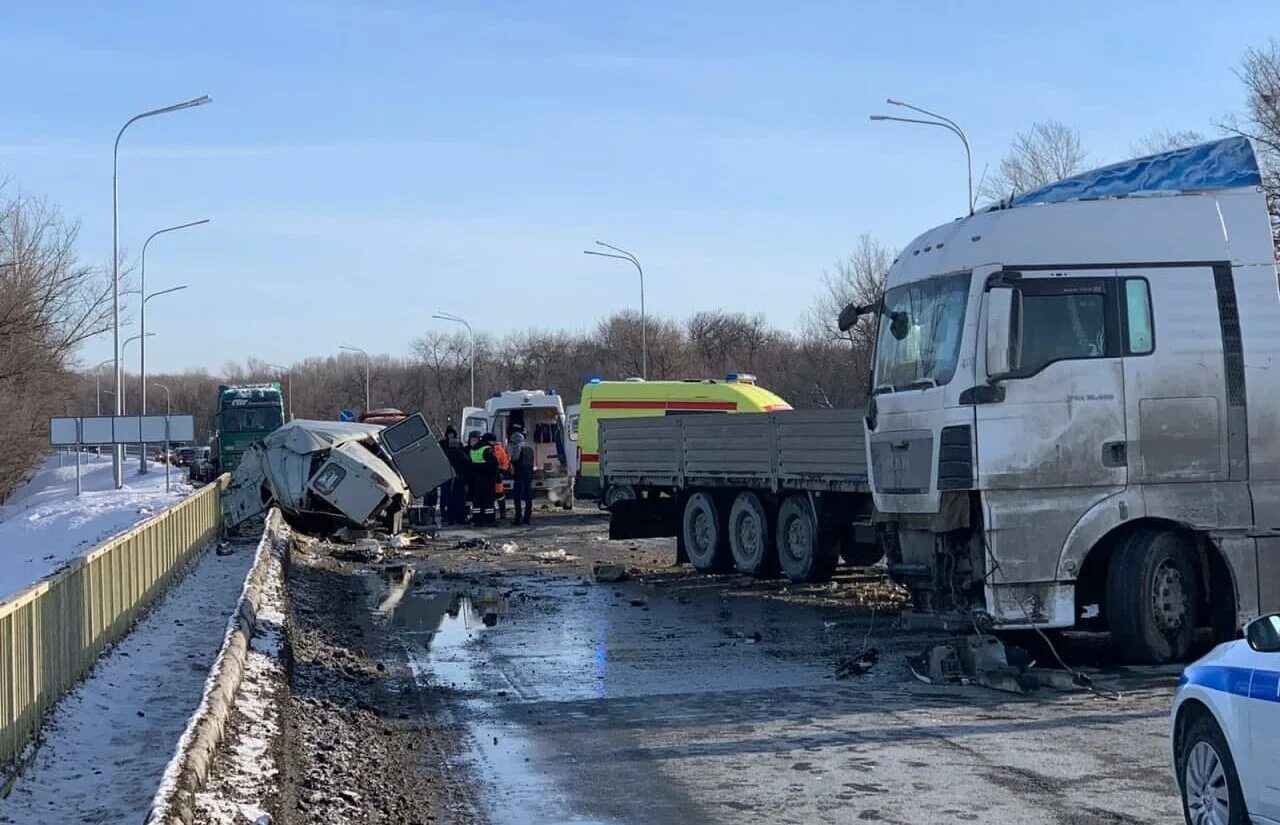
x=1260, y=72
x=1049, y=151
x=49, y=304
x=1165, y=140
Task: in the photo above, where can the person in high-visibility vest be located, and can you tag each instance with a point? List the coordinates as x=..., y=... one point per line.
x=484, y=472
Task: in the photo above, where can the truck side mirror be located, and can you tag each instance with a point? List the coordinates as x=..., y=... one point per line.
x=1002, y=332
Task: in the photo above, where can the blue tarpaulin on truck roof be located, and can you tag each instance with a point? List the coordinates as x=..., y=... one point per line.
x=1221, y=164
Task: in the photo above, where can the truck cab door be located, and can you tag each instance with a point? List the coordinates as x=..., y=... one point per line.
x=1051, y=422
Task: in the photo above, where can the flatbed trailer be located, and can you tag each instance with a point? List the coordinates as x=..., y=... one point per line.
x=760, y=492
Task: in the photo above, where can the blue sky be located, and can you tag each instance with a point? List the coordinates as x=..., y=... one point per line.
x=403, y=158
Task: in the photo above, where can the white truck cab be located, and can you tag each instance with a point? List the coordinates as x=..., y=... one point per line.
x=1074, y=408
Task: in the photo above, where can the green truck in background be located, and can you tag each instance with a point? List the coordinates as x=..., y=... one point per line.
x=245, y=414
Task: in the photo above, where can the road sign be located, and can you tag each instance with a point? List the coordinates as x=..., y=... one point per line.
x=119, y=429
x=347, y=415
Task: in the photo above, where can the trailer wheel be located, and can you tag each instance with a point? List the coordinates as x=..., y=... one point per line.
x=704, y=534
x=805, y=553
x=1152, y=592
x=751, y=537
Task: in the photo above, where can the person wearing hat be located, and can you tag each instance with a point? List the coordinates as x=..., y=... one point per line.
x=453, y=493
x=523, y=459
x=484, y=474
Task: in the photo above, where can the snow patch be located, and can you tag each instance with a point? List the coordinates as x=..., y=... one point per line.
x=44, y=524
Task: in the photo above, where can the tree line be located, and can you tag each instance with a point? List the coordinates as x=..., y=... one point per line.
x=51, y=301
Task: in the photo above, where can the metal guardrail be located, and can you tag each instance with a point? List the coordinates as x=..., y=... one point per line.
x=52, y=633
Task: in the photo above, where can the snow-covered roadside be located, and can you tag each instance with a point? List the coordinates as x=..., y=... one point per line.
x=107, y=743
x=244, y=776
x=44, y=524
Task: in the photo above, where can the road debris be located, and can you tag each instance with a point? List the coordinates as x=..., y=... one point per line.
x=857, y=665
x=607, y=573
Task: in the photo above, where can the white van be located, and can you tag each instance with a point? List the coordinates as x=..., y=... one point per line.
x=541, y=417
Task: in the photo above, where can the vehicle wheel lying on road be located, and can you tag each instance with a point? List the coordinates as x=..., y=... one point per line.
x=1211, y=793
x=615, y=493
x=704, y=534
x=804, y=552
x=1152, y=592
x=750, y=539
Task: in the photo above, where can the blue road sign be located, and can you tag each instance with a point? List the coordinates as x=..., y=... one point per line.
x=347, y=415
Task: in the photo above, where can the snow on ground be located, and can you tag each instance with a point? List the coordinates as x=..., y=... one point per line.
x=244, y=772
x=44, y=524
x=107, y=743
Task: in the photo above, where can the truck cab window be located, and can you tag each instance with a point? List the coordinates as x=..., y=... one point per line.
x=1061, y=326
x=920, y=328
x=1137, y=304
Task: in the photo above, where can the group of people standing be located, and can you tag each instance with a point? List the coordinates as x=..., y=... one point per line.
x=477, y=494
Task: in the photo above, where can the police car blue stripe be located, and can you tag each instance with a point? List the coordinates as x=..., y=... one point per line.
x=1263, y=685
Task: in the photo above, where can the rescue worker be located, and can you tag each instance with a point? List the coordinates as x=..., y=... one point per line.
x=504, y=471
x=523, y=459
x=484, y=472
x=453, y=493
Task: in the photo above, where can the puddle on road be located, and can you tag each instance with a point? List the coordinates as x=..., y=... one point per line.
x=510, y=655
x=441, y=630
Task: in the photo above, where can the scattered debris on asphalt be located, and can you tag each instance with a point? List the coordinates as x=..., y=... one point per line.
x=607, y=573
x=857, y=665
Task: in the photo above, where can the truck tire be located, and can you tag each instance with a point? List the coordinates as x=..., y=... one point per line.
x=751, y=536
x=805, y=553
x=704, y=534
x=1152, y=592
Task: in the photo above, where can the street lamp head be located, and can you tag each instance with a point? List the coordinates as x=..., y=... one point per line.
x=200, y=101
x=894, y=102
x=879, y=117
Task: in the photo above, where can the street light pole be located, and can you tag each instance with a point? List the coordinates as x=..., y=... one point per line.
x=471, y=343
x=367, y=362
x=624, y=255
x=143, y=345
x=118, y=450
x=120, y=402
x=288, y=373
x=168, y=411
x=142, y=287
x=97, y=383
x=944, y=122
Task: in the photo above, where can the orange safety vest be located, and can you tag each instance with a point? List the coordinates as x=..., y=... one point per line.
x=504, y=468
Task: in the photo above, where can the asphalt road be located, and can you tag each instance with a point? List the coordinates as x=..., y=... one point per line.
x=697, y=699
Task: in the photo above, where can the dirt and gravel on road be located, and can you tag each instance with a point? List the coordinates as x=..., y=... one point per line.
x=546, y=674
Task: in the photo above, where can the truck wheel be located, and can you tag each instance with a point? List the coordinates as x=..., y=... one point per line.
x=750, y=537
x=1152, y=591
x=804, y=552
x=704, y=531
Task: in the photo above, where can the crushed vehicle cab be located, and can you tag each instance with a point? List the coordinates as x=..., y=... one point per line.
x=324, y=475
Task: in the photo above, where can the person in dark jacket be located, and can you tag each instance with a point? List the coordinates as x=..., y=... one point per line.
x=523, y=459
x=453, y=493
x=484, y=475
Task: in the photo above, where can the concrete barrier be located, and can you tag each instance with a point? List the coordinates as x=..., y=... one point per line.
x=188, y=770
x=52, y=633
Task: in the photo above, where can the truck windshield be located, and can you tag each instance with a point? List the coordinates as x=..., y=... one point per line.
x=251, y=419
x=920, y=327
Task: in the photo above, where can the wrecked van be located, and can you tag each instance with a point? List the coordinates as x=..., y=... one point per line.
x=324, y=475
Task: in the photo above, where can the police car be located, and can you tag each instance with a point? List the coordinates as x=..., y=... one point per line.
x=1226, y=730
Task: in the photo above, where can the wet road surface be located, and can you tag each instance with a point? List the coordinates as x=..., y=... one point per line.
x=592, y=703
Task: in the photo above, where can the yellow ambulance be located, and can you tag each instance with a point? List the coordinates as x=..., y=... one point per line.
x=636, y=398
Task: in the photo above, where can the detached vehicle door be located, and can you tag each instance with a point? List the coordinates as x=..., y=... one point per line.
x=416, y=454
